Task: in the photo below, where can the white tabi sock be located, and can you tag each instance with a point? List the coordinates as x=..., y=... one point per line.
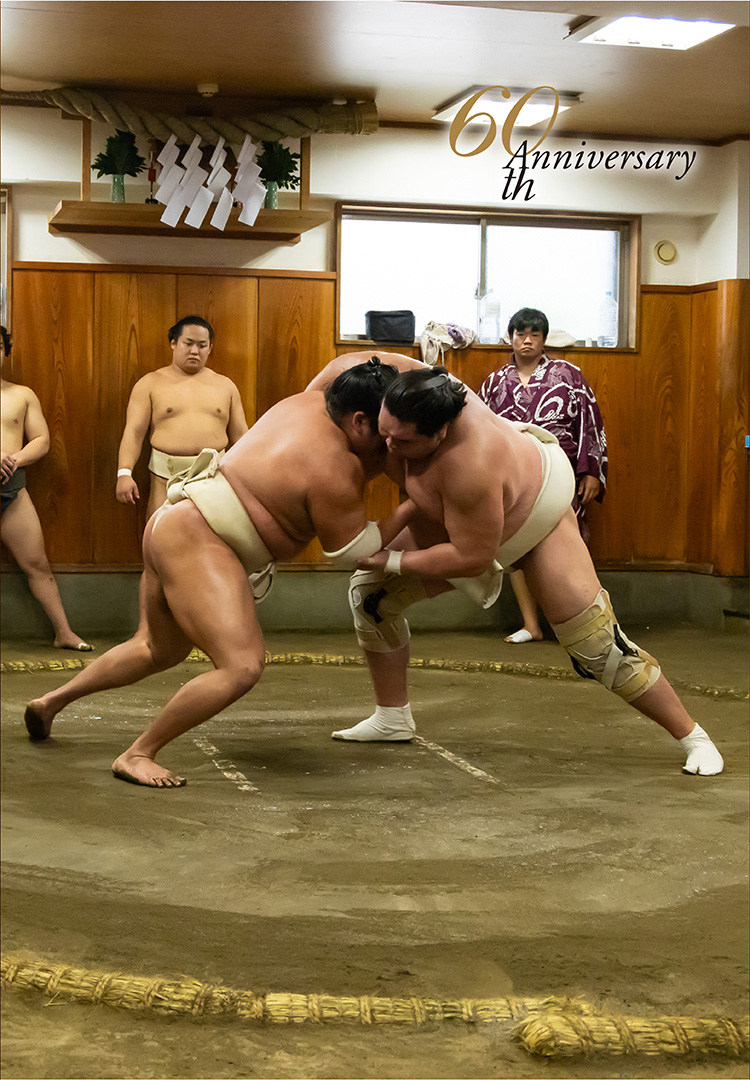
x=387, y=724
x=703, y=759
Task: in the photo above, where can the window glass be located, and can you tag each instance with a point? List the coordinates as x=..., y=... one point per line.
x=476, y=268
x=428, y=267
x=566, y=273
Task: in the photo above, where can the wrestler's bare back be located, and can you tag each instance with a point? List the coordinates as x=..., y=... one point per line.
x=188, y=412
x=297, y=476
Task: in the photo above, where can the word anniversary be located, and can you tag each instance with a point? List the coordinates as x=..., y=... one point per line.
x=523, y=160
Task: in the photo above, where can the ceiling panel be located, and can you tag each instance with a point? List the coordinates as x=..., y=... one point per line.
x=409, y=56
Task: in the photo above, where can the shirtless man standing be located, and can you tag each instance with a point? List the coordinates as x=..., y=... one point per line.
x=185, y=408
x=25, y=440
x=491, y=494
x=265, y=501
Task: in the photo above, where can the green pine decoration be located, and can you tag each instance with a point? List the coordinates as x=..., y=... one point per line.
x=121, y=157
x=278, y=165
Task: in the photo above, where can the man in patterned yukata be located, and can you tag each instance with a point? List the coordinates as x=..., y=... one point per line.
x=553, y=394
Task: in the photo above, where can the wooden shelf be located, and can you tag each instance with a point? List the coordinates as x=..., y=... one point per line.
x=142, y=219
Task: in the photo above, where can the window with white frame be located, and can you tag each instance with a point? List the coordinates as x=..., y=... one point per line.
x=476, y=268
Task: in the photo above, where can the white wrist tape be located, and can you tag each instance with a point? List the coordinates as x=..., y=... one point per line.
x=124, y=472
x=393, y=562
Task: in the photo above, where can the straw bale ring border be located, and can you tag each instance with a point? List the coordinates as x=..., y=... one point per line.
x=553, y=1026
x=485, y=667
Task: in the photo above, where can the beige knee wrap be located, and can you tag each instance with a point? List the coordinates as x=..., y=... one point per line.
x=378, y=601
x=599, y=650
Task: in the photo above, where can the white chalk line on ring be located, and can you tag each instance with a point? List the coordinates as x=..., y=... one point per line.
x=454, y=759
x=232, y=773
x=225, y=766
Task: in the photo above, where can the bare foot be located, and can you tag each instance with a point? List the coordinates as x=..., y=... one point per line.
x=73, y=642
x=139, y=769
x=38, y=719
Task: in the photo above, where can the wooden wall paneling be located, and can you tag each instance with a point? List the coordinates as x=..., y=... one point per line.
x=295, y=335
x=703, y=412
x=311, y=556
x=132, y=314
x=381, y=498
x=731, y=515
x=472, y=366
x=230, y=304
x=52, y=353
x=660, y=416
x=295, y=340
x=675, y=414
x=611, y=376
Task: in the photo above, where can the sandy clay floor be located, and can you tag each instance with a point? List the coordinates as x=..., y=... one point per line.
x=540, y=840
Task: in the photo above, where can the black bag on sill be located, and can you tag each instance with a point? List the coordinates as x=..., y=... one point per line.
x=396, y=327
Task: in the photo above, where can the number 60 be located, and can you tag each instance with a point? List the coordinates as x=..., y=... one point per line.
x=463, y=119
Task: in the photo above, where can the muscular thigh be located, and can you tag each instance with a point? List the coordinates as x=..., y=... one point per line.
x=21, y=531
x=204, y=585
x=560, y=573
x=157, y=493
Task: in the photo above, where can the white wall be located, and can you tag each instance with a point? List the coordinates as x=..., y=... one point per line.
x=34, y=203
x=705, y=214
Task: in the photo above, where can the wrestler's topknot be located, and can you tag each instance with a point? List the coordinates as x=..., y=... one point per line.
x=360, y=389
x=427, y=399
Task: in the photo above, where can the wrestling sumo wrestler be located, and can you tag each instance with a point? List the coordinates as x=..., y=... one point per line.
x=299, y=472
x=488, y=495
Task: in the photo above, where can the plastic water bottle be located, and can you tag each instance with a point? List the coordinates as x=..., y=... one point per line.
x=489, y=319
x=608, y=322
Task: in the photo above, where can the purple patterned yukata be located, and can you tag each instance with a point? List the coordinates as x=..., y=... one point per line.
x=558, y=399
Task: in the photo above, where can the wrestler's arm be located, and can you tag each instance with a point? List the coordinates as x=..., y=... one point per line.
x=587, y=488
x=36, y=433
x=342, y=363
x=396, y=522
x=588, y=432
x=337, y=511
x=237, y=425
x=474, y=523
x=328, y=374
x=137, y=424
x=338, y=516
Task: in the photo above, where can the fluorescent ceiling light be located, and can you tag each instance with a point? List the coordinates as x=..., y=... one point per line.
x=639, y=32
x=538, y=108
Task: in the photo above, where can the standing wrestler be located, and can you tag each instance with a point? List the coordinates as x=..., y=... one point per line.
x=184, y=407
x=537, y=389
x=25, y=439
x=223, y=522
x=489, y=494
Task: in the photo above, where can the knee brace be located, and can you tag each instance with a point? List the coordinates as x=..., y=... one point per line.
x=599, y=650
x=378, y=601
